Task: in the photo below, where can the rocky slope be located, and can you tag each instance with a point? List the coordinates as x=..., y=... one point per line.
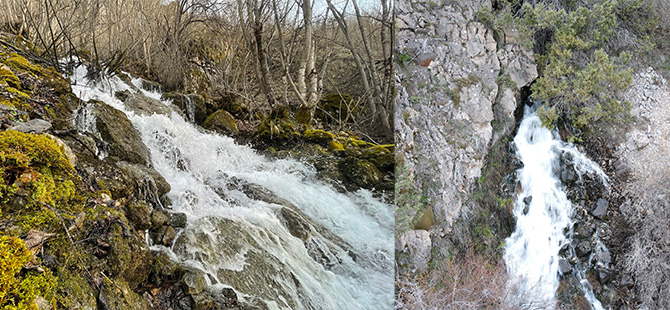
x=458, y=90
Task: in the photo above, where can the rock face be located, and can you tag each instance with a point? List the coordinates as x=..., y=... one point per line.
x=448, y=97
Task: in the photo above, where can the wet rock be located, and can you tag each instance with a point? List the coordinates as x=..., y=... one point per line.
x=32, y=126
x=605, y=274
x=117, y=130
x=229, y=293
x=159, y=218
x=601, y=208
x=178, y=220
x=139, y=215
x=151, y=185
x=527, y=200
x=151, y=86
x=222, y=122
x=167, y=235
x=583, y=248
x=568, y=175
x=322, y=254
x=296, y=225
x=191, y=105
x=604, y=256
x=129, y=256
x=194, y=281
x=564, y=266
x=583, y=230
x=163, y=269
x=143, y=105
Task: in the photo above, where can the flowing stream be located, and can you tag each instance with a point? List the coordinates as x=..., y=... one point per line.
x=242, y=241
x=544, y=215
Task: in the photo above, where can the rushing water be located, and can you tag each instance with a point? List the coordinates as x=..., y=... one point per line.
x=242, y=242
x=543, y=215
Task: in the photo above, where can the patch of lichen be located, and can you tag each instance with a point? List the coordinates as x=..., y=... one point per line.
x=19, y=288
x=36, y=178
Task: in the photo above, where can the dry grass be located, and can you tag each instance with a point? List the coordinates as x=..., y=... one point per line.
x=465, y=281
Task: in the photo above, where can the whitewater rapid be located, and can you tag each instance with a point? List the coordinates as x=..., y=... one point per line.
x=240, y=241
x=543, y=214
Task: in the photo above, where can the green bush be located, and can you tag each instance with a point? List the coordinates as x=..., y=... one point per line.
x=582, y=50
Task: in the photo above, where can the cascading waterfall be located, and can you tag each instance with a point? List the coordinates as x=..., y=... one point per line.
x=242, y=241
x=543, y=215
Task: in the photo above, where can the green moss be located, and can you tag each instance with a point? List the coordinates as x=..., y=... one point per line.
x=8, y=78
x=335, y=146
x=34, y=170
x=318, y=135
x=18, y=289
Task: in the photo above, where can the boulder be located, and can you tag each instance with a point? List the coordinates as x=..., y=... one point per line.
x=178, y=220
x=583, y=248
x=360, y=173
x=32, y=126
x=143, y=105
x=139, y=215
x=296, y=225
x=601, y=208
x=117, y=130
x=417, y=245
x=564, y=267
x=222, y=122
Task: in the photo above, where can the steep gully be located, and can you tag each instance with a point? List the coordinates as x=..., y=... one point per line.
x=536, y=253
x=269, y=229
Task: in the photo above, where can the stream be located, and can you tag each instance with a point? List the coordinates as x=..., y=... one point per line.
x=240, y=238
x=544, y=216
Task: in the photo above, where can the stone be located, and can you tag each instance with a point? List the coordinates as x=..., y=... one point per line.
x=564, y=266
x=508, y=103
x=32, y=126
x=167, y=234
x=604, y=256
x=424, y=59
x=159, y=218
x=527, y=200
x=178, y=220
x=583, y=230
x=143, y=105
x=417, y=244
x=222, y=122
x=117, y=130
x=139, y=215
x=568, y=175
x=637, y=140
x=583, y=248
x=360, y=173
x=71, y=156
x=601, y=208
x=151, y=184
x=194, y=281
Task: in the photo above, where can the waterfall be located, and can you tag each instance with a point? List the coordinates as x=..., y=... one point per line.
x=544, y=215
x=242, y=241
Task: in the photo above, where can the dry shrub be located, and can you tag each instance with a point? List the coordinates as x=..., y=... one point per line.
x=648, y=256
x=467, y=280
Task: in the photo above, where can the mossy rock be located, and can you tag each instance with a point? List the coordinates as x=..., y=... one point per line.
x=318, y=135
x=304, y=115
x=163, y=269
x=130, y=257
x=8, y=78
x=278, y=127
x=223, y=122
x=362, y=173
x=117, y=294
x=335, y=106
x=74, y=292
x=232, y=103
x=116, y=129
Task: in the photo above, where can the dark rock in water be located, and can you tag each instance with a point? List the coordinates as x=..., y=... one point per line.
x=159, y=218
x=583, y=230
x=122, y=95
x=361, y=172
x=229, y=293
x=173, y=297
x=564, y=266
x=143, y=105
x=32, y=126
x=117, y=130
x=151, y=185
x=526, y=208
x=296, y=225
x=167, y=235
x=583, y=248
x=178, y=220
x=151, y=86
x=194, y=281
x=527, y=200
x=568, y=175
x=163, y=269
x=192, y=105
x=601, y=208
